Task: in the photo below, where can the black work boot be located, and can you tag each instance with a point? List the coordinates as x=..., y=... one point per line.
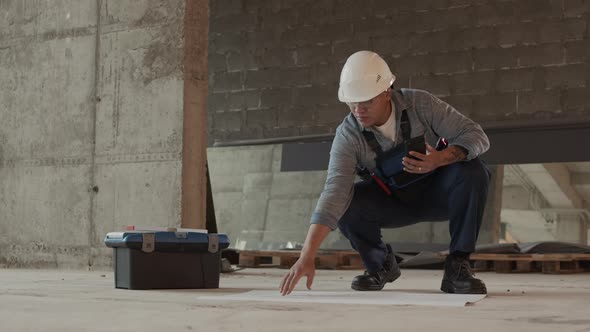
x=374, y=281
x=459, y=278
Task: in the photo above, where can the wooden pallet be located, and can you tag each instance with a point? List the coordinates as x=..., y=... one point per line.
x=521, y=263
x=500, y=263
x=331, y=260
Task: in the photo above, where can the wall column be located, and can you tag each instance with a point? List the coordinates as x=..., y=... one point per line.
x=194, y=147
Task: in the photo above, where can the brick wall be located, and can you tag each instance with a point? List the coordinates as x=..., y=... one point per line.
x=274, y=65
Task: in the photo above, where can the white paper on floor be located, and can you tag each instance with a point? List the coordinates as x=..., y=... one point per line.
x=352, y=297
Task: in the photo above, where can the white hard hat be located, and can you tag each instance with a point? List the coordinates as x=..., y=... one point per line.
x=364, y=76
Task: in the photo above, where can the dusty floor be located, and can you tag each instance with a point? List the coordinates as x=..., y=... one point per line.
x=41, y=300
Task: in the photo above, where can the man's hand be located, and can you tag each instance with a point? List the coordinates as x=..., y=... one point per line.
x=432, y=159
x=303, y=267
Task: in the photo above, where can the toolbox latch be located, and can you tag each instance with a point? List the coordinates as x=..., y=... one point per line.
x=148, y=242
x=213, y=243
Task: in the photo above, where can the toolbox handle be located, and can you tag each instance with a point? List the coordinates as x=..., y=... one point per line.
x=148, y=242
x=213, y=243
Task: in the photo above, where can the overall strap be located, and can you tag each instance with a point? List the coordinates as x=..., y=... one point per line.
x=406, y=134
x=372, y=141
x=406, y=127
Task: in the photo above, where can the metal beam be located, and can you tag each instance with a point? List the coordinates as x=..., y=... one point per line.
x=509, y=145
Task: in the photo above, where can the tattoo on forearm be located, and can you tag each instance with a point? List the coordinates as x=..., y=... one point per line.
x=455, y=154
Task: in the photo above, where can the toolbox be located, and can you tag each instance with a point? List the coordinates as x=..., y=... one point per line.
x=166, y=259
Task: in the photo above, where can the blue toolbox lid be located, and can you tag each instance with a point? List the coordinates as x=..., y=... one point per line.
x=167, y=241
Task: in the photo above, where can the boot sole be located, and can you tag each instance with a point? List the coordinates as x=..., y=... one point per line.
x=447, y=287
x=358, y=287
x=366, y=288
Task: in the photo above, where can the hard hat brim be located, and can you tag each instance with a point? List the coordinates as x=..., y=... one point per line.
x=360, y=95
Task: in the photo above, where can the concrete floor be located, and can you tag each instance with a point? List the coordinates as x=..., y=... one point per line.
x=41, y=300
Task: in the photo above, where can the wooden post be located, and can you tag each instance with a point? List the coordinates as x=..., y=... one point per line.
x=194, y=144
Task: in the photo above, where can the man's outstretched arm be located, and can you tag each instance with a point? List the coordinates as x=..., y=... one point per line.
x=332, y=204
x=305, y=265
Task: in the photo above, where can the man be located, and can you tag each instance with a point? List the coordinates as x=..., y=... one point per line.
x=450, y=184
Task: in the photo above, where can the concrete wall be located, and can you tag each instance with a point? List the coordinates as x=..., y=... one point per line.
x=274, y=65
x=258, y=206
x=90, y=125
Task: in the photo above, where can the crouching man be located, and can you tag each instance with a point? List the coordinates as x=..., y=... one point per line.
x=396, y=141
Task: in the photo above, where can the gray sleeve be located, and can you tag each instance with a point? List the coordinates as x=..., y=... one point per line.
x=339, y=186
x=458, y=129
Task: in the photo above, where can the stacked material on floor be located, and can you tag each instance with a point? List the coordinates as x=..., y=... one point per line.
x=546, y=257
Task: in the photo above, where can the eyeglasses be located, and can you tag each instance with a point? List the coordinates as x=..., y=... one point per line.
x=363, y=104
